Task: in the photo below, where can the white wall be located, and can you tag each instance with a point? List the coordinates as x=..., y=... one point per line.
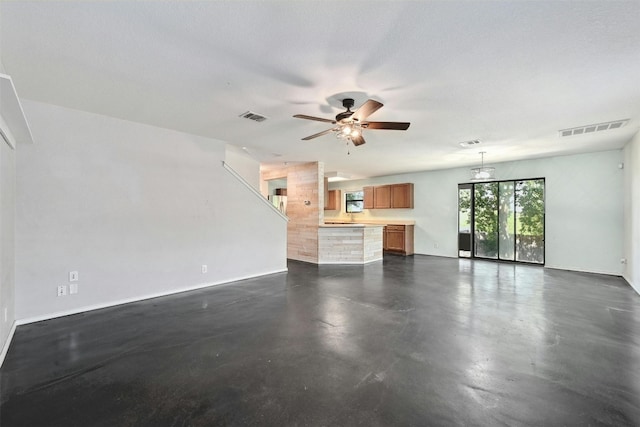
x=2, y=70
x=584, y=208
x=7, y=194
x=135, y=209
x=7, y=245
x=632, y=212
x=245, y=165
x=7, y=236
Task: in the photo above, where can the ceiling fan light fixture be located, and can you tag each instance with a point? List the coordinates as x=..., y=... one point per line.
x=348, y=131
x=348, y=125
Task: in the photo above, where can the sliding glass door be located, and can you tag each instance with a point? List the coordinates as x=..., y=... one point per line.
x=530, y=220
x=464, y=220
x=506, y=219
x=485, y=220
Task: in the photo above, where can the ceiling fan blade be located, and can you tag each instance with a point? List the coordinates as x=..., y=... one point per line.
x=317, y=119
x=357, y=140
x=366, y=110
x=315, y=135
x=386, y=125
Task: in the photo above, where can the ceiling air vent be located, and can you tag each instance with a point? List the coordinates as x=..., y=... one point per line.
x=469, y=144
x=593, y=128
x=253, y=116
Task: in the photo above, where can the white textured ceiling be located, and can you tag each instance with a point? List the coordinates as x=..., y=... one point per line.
x=508, y=73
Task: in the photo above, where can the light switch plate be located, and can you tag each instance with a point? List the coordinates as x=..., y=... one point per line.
x=73, y=276
x=73, y=288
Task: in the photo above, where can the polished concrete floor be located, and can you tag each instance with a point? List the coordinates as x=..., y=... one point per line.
x=410, y=341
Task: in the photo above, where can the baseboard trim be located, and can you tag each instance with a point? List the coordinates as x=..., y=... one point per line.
x=437, y=255
x=349, y=262
x=7, y=343
x=93, y=307
x=631, y=284
x=577, y=270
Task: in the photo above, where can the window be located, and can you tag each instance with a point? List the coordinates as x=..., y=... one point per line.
x=354, y=201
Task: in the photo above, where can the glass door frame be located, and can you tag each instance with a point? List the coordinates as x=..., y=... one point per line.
x=471, y=185
x=471, y=220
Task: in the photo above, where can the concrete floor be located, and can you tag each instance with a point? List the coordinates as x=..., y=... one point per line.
x=411, y=341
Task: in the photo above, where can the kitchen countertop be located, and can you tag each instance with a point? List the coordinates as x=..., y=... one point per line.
x=349, y=225
x=337, y=221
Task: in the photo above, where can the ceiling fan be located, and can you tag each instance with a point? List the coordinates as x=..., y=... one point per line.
x=349, y=124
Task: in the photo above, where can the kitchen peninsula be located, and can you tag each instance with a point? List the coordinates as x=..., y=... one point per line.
x=349, y=243
x=397, y=234
x=311, y=209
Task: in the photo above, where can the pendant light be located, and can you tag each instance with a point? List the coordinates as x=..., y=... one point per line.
x=482, y=173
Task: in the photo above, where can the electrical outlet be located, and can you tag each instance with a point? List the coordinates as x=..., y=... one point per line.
x=204, y=268
x=73, y=276
x=73, y=288
x=62, y=290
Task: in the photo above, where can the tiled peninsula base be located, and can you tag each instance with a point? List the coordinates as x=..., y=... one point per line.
x=349, y=243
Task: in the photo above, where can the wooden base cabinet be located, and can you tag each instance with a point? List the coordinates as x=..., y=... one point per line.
x=398, y=239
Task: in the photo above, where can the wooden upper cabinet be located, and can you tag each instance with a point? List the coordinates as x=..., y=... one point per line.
x=402, y=196
x=334, y=201
x=368, y=197
x=382, y=197
x=326, y=193
x=394, y=196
